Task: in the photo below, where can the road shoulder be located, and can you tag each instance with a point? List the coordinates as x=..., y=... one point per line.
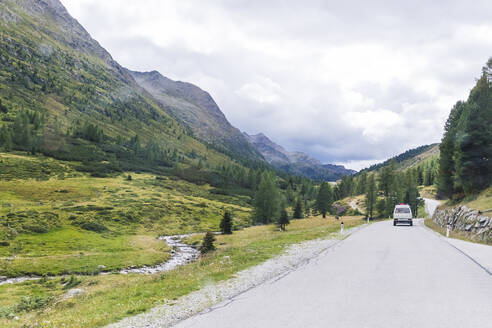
x=216, y=294
x=479, y=253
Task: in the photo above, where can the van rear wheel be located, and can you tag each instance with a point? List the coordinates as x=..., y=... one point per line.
x=394, y=223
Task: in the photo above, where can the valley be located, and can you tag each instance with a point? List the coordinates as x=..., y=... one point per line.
x=125, y=194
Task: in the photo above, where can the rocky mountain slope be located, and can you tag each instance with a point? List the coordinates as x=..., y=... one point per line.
x=296, y=162
x=197, y=110
x=63, y=95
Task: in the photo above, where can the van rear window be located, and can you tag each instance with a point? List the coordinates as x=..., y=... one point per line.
x=402, y=210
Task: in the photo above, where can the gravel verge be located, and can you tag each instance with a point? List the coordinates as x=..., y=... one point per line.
x=294, y=257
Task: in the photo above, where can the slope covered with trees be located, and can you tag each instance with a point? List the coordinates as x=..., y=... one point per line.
x=62, y=95
x=465, y=166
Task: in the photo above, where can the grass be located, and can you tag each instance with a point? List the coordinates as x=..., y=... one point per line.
x=422, y=213
x=428, y=191
x=483, y=202
x=109, y=298
x=63, y=222
x=359, y=201
x=70, y=250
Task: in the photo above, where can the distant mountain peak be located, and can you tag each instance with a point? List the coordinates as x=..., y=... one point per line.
x=296, y=162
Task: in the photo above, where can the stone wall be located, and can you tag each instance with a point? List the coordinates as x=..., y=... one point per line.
x=473, y=223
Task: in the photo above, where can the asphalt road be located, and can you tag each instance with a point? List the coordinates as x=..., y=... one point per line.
x=381, y=276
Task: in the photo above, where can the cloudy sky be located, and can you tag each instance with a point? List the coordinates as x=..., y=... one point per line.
x=351, y=82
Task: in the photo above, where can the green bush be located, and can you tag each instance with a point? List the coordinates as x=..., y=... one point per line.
x=31, y=303
x=31, y=221
x=72, y=282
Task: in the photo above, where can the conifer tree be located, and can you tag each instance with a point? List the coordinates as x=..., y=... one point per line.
x=474, y=148
x=283, y=219
x=298, y=213
x=445, y=186
x=371, y=196
x=208, y=243
x=267, y=200
x=226, y=223
x=5, y=138
x=324, y=199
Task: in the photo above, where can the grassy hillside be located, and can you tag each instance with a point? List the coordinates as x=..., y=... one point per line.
x=62, y=95
x=61, y=221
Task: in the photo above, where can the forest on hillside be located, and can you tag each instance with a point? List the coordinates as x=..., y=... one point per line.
x=465, y=166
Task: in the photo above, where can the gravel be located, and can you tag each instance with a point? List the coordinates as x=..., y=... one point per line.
x=292, y=259
x=181, y=254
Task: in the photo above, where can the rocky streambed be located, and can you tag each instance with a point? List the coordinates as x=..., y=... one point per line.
x=181, y=254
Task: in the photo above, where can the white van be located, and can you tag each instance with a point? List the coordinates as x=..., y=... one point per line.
x=402, y=214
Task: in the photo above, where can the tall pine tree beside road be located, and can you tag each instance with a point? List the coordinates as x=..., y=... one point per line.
x=324, y=199
x=371, y=195
x=465, y=166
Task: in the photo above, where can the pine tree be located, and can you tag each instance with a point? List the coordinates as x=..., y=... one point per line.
x=387, y=178
x=298, y=213
x=445, y=185
x=474, y=142
x=21, y=131
x=226, y=223
x=5, y=138
x=3, y=108
x=283, y=219
x=289, y=194
x=208, y=243
x=420, y=175
x=412, y=192
x=371, y=196
x=324, y=200
x=361, y=184
x=267, y=200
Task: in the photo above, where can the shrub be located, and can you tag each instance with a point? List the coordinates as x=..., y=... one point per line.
x=90, y=224
x=30, y=303
x=208, y=243
x=72, y=282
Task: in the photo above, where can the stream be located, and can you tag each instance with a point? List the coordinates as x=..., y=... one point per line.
x=181, y=254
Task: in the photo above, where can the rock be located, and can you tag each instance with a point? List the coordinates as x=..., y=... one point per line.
x=462, y=218
x=73, y=292
x=101, y=267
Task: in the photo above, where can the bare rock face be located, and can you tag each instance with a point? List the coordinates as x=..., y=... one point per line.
x=296, y=162
x=471, y=222
x=197, y=110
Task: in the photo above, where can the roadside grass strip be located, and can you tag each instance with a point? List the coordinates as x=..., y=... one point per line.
x=102, y=299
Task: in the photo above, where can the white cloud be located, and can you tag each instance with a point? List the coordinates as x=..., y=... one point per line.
x=348, y=82
x=375, y=124
x=262, y=90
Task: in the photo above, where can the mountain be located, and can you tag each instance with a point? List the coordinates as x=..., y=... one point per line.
x=63, y=95
x=297, y=163
x=410, y=158
x=197, y=110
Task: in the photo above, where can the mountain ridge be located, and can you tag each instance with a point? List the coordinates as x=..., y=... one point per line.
x=296, y=162
x=196, y=109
